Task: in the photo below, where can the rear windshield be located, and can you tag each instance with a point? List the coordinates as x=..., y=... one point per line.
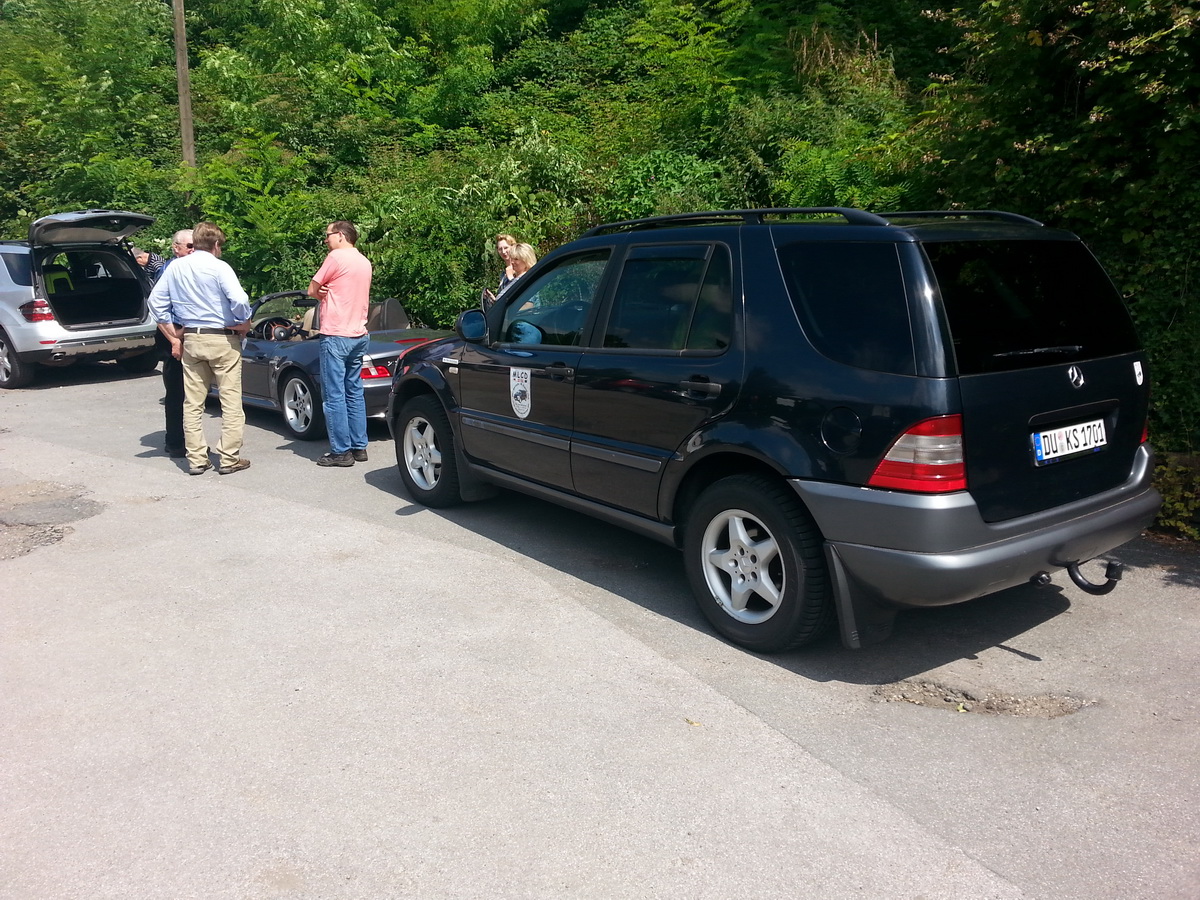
x=1022, y=304
x=851, y=303
x=19, y=269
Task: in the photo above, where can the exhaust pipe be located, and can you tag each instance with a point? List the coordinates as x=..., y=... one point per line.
x=1112, y=574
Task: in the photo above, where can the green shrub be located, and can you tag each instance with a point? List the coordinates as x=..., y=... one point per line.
x=1178, y=480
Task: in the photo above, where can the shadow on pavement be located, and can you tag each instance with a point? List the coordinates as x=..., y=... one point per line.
x=651, y=575
x=53, y=377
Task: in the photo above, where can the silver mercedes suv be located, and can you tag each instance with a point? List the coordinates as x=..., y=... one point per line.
x=73, y=291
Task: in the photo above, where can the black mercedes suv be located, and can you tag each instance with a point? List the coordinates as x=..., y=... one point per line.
x=832, y=413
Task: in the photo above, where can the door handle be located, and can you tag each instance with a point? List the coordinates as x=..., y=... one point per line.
x=700, y=386
x=559, y=372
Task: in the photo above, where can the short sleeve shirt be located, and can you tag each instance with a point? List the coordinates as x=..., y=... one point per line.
x=347, y=275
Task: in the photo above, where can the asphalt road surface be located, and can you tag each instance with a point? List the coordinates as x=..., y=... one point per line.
x=291, y=682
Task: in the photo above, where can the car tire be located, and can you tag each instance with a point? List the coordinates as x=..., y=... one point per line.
x=140, y=364
x=302, y=414
x=425, y=453
x=754, y=558
x=14, y=372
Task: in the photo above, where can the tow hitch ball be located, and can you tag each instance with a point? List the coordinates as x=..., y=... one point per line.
x=1112, y=574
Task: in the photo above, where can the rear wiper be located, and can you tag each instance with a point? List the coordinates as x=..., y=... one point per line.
x=1035, y=351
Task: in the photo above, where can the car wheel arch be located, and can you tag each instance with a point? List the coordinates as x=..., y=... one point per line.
x=681, y=492
x=316, y=428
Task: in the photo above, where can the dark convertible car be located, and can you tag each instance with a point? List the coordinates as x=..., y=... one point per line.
x=281, y=362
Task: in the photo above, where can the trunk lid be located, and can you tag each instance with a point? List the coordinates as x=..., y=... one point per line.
x=1010, y=419
x=91, y=226
x=1052, y=378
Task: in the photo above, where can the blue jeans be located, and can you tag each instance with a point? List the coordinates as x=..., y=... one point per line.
x=341, y=386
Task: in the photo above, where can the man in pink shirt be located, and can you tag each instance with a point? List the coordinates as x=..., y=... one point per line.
x=343, y=288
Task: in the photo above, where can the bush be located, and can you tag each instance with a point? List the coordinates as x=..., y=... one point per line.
x=1178, y=480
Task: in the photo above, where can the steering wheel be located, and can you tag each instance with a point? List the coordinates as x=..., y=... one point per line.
x=277, y=328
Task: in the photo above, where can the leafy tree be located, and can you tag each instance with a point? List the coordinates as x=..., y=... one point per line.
x=87, y=106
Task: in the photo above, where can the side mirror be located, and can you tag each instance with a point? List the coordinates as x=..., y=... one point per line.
x=471, y=326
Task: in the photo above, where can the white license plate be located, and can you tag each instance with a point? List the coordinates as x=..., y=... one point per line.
x=1056, y=443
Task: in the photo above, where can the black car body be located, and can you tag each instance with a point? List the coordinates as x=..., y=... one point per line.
x=830, y=411
x=281, y=358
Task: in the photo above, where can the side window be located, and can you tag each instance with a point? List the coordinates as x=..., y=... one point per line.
x=712, y=325
x=673, y=298
x=554, y=308
x=850, y=300
x=18, y=267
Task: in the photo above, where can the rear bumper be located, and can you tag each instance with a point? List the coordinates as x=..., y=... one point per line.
x=891, y=549
x=92, y=348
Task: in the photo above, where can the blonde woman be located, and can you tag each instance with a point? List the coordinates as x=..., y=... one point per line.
x=521, y=259
x=504, y=245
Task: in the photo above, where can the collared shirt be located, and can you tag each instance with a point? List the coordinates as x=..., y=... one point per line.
x=346, y=275
x=199, y=291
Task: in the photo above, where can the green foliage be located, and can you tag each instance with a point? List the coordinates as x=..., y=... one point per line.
x=257, y=194
x=85, y=84
x=1179, y=485
x=433, y=245
x=659, y=183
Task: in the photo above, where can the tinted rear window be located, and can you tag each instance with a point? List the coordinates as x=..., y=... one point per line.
x=1022, y=304
x=19, y=269
x=850, y=300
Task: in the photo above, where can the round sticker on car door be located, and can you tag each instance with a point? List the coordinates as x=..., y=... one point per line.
x=519, y=387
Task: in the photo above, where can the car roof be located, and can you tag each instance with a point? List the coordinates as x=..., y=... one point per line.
x=833, y=222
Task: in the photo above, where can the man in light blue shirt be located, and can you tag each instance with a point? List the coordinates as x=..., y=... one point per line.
x=201, y=293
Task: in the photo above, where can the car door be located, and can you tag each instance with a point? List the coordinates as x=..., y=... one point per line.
x=665, y=362
x=256, y=370
x=516, y=395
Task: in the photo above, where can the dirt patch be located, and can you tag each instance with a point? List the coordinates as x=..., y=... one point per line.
x=36, y=514
x=937, y=696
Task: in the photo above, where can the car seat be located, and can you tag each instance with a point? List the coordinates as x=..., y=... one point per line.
x=57, y=278
x=311, y=325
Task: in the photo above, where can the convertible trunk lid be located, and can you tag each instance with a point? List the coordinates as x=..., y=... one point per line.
x=90, y=226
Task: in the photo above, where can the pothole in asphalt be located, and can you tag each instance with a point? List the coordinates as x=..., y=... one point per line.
x=35, y=514
x=938, y=696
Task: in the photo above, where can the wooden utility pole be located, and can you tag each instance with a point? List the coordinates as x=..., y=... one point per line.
x=184, y=82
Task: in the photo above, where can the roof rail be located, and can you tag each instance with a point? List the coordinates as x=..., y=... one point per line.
x=964, y=213
x=737, y=217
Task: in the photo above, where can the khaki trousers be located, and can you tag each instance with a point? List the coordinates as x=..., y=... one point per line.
x=212, y=359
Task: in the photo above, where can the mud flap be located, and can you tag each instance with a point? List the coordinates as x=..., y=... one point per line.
x=470, y=486
x=863, y=618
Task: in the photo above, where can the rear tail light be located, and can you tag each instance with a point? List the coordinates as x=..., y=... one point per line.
x=37, y=311
x=370, y=370
x=1146, y=431
x=927, y=458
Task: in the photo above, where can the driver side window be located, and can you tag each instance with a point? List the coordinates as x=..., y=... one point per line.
x=555, y=307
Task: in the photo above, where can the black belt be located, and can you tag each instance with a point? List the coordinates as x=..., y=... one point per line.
x=193, y=330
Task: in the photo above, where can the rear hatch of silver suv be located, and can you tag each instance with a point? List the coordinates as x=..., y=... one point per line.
x=1053, y=381
x=84, y=270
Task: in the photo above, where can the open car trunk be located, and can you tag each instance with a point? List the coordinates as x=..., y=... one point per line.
x=92, y=287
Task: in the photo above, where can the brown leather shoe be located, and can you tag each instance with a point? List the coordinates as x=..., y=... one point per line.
x=236, y=467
